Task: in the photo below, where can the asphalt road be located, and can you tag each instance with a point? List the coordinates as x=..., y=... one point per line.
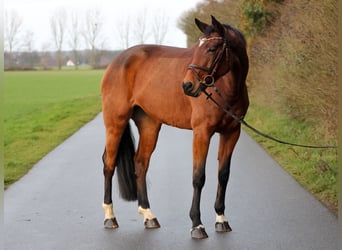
x=57, y=205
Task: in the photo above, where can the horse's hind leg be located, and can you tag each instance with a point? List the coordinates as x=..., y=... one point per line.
x=227, y=144
x=148, y=135
x=114, y=131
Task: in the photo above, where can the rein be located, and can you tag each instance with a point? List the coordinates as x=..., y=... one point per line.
x=242, y=121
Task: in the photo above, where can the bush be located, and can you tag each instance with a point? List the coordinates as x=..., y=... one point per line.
x=254, y=17
x=298, y=64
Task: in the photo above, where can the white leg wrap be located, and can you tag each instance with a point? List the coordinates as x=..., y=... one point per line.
x=108, y=208
x=147, y=213
x=220, y=218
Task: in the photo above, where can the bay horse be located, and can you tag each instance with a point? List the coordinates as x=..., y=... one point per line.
x=155, y=85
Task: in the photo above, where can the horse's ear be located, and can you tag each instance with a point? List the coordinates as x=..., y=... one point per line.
x=217, y=26
x=202, y=26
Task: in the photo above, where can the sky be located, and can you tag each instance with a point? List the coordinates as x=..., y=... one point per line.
x=36, y=16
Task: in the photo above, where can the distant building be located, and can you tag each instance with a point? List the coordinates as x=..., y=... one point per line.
x=70, y=63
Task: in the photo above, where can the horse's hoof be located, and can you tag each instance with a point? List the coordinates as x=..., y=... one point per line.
x=222, y=227
x=111, y=223
x=151, y=223
x=198, y=233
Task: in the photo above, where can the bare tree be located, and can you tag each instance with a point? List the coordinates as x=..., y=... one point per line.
x=13, y=26
x=58, y=23
x=160, y=27
x=45, y=56
x=28, y=41
x=140, y=30
x=29, y=57
x=123, y=31
x=92, y=32
x=74, y=36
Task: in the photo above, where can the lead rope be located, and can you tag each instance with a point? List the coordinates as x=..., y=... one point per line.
x=242, y=121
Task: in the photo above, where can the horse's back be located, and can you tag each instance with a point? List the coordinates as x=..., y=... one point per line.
x=144, y=60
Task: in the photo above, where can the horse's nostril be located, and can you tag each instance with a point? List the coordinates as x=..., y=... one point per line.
x=188, y=86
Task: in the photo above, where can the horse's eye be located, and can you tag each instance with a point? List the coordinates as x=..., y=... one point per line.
x=212, y=49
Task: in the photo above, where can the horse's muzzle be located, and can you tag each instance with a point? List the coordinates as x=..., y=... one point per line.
x=188, y=88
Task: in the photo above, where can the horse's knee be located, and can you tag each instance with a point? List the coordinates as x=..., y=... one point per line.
x=223, y=174
x=198, y=179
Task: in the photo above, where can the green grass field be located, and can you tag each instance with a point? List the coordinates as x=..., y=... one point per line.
x=41, y=109
x=315, y=169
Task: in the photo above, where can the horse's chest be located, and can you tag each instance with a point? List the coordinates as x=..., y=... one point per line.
x=227, y=123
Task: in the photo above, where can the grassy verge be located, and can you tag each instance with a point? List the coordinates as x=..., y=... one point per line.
x=315, y=169
x=41, y=109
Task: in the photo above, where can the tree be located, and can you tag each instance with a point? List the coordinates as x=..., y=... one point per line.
x=140, y=31
x=187, y=25
x=123, y=31
x=13, y=26
x=45, y=57
x=92, y=32
x=28, y=41
x=74, y=37
x=160, y=27
x=58, y=23
x=29, y=57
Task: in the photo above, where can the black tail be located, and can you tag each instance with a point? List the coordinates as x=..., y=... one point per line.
x=125, y=166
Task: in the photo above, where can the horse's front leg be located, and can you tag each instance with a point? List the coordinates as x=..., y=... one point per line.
x=200, y=151
x=227, y=144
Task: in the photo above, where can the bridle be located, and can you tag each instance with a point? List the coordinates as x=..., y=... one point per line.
x=209, y=79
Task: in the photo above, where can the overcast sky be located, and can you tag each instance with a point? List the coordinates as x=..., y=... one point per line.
x=36, y=16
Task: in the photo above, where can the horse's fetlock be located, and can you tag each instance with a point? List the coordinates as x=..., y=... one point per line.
x=219, y=207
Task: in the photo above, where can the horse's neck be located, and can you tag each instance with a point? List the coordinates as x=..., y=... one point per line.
x=230, y=89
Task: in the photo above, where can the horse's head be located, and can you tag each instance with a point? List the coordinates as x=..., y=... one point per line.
x=210, y=59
